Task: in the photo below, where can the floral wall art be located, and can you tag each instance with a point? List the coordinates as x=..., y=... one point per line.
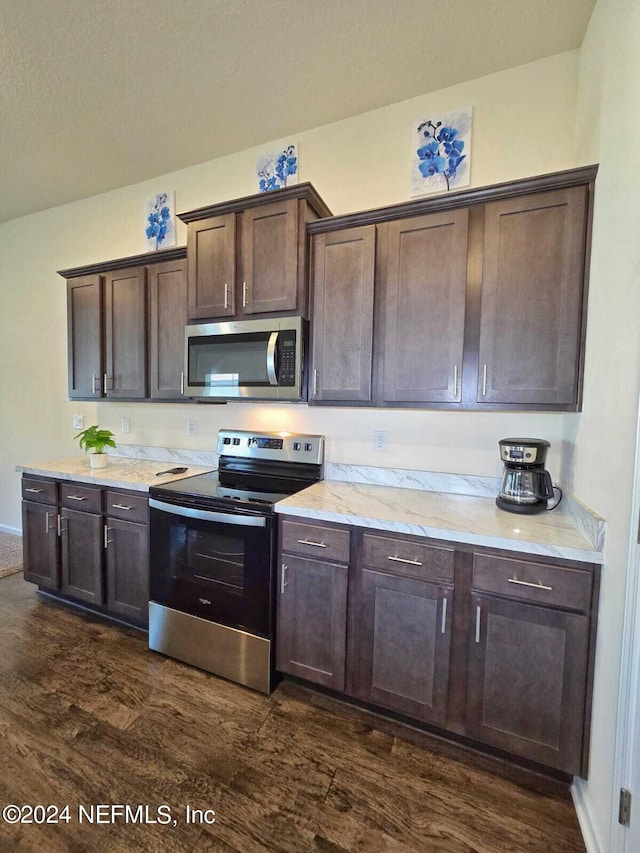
x=159, y=219
x=441, y=152
x=277, y=169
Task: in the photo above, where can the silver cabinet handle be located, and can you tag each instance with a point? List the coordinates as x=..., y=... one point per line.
x=182, y=383
x=226, y=294
x=484, y=380
x=35, y=491
x=46, y=523
x=244, y=294
x=60, y=531
x=104, y=386
x=107, y=541
x=309, y=542
x=315, y=383
x=402, y=560
x=283, y=581
x=75, y=498
x=96, y=383
x=120, y=506
x=538, y=585
x=478, y=624
x=444, y=616
x=108, y=383
x=455, y=380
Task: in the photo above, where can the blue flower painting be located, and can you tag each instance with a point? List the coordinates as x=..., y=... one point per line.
x=277, y=169
x=159, y=223
x=441, y=153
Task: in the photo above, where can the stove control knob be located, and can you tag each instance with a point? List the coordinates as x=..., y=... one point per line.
x=226, y=440
x=296, y=445
x=308, y=446
x=236, y=441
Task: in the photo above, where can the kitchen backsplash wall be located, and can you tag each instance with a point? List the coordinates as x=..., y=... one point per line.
x=355, y=164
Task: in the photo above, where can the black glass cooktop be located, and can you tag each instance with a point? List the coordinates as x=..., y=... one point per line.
x=209, y=488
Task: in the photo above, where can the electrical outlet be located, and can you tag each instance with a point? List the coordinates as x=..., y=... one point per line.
x=125, y=424
x=192, y=427
x=78, y=421
x=380, y=440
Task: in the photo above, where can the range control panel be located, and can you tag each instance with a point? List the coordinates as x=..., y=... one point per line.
x=283, y=446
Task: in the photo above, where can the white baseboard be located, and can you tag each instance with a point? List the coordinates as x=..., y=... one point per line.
x=583, y=811
x=5, y=529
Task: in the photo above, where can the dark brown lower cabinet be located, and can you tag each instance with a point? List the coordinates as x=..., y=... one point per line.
x=81, y=555
x=312, y=620
x=403, y=645
x=40, y=544
x=527, y=680
x=127, y=550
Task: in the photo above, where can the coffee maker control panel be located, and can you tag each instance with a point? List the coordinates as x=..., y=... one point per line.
x=519, y=454
x=523, y=451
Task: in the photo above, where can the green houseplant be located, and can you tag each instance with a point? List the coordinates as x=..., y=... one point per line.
x=93, y=441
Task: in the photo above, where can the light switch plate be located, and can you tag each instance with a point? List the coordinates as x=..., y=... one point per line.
x=125, y=425
x=78, y=421
x=192, y=427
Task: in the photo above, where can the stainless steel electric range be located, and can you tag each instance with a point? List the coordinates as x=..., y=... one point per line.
x=213, y=550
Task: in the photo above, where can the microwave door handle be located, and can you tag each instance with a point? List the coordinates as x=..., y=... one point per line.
x=271, y=358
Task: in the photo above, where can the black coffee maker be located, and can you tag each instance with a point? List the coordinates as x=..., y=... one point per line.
x=526, y=485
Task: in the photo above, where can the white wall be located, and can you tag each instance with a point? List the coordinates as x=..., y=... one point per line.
x=523, y=125
x=608, y=125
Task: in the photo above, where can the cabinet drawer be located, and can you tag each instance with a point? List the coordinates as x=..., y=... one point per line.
x=39, y=490
x=83, y=498
x=400, y=556
x=315, y=540
x=537, y=583
x=128, y=507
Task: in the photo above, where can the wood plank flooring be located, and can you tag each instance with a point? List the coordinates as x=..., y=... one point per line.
x=89, y=716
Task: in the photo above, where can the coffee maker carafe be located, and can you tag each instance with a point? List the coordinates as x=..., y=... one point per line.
x=526, y=485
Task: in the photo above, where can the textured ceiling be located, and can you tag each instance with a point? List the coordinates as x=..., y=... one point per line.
x=98, y=95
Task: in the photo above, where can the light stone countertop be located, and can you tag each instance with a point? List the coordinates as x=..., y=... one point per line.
x=456, y=518
x=135, y=474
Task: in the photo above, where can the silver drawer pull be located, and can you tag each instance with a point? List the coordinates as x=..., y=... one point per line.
x=444, y=616
x=35, y=491
x=402, y=560
x=478, y=624
x=75, y=498
x=309, y=542
x=538, y=585
x=120, y=506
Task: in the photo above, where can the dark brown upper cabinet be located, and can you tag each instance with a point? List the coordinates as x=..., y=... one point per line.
x=480, y=300
x=167, y=319
x=249, y=256
x=85, y=336
x=126, y=334
x=532, y=292
x=343, y=275
x=126, y=322
x=424, y=282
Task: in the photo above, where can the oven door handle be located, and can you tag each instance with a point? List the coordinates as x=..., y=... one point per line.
x=271, y=358
x=207, y=515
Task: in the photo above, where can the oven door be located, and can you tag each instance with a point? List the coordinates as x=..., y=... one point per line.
x=215, y=564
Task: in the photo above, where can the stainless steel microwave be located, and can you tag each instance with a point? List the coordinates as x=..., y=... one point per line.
x=246, y=359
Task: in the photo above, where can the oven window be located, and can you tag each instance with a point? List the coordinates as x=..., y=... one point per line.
x=216, y=558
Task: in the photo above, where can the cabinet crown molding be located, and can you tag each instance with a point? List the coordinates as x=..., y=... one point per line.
x=146, y=259
x=304, y=191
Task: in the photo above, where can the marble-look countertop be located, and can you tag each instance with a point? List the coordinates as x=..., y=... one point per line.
x=457, y=518
x=135, y=474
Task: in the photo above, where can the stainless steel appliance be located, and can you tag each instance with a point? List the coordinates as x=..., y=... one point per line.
x=526, y=484
x=213, y=547
x=247, y=359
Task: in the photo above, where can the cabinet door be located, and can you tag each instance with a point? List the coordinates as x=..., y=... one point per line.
x=40, y=544
x=527, y=680
x=168, y=317
x=403, y=643
x=85, y=339
x=128, y=569
x=312, y=620
x=532, y=289
x=126, y=333
x=81, y=555
x=425, y=277
x=343, y=281
x=211, y=251
x=270, y=258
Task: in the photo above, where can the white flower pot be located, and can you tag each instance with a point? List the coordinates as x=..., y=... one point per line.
x=98, y=460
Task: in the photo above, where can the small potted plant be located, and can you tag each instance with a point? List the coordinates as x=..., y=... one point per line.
x=93, y=441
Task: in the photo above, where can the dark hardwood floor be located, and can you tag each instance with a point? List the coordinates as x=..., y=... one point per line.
x=89, y=716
